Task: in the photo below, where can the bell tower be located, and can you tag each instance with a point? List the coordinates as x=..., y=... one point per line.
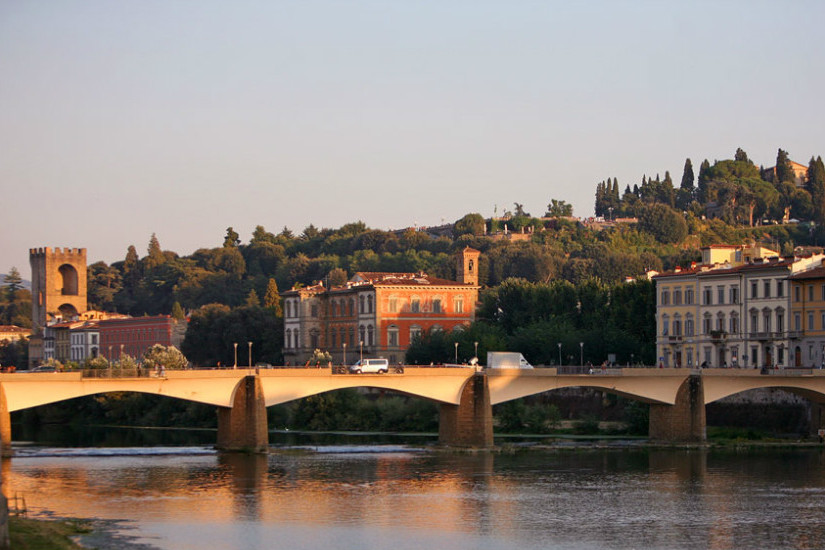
x=467, y=266
x=58, y=284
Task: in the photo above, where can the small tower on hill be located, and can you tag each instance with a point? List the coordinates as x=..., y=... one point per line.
x=467, y=266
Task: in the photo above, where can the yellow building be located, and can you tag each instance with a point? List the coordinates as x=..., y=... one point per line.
x=808, y=317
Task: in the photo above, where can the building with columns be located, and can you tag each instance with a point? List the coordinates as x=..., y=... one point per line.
x=377, y=314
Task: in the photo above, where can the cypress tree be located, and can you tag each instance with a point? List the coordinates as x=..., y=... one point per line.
x=816, y=186
x=687, y=176
x=784, y=171
x=272, y=298
x=741, y=156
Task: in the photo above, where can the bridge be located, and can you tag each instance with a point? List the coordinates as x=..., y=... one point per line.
x=677, y=397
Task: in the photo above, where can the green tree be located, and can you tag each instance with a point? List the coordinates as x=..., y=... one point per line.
x=168, y=357
x=232, y=239
x=177, y=311
x=664, y=223
x=13, y=282
x=815, y=183
x=558, y=209
x=784, y=169
x=471, y=224
x=272, y=298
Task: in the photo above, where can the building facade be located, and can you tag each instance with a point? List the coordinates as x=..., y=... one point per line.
x=733, y=314
x=132, y=336
x=377, y=314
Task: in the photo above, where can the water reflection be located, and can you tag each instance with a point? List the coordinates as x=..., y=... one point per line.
x=569, y=499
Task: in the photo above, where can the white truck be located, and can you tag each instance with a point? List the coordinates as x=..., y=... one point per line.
x=507, y=360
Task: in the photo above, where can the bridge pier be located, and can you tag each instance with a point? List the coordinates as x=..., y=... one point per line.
x=243, y=426
x=684, y=421
x=470, y=423
x=5, y=425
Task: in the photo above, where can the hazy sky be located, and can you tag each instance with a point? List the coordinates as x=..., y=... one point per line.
x=119, y=119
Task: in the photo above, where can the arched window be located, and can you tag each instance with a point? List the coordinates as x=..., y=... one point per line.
x=361, y=333
x=437, y=305
x=458, y=304
x=370, y=336
x=415, y=304
x=288, y=338
x=370, y=304
x=68, y=275
x=361, y=308
x=415, y=333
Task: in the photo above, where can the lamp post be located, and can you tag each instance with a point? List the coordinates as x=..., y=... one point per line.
x=581, y=357
x=250, y=354
x=475, y=354
x=559, y=344
x=110, y=361
x=456, y=353
x=361, y=346
x=345, y=353
x=120, y=360
x=235, y=364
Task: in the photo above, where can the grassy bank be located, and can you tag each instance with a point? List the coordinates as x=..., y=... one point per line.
x=36, y=534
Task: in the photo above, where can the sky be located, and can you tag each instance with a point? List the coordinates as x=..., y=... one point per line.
x=182, y=118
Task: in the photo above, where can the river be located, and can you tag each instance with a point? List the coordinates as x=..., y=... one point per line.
x=409, y=496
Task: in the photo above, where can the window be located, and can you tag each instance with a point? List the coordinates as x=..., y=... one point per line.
x=677, y=326
x=822, y=295
x=415, y=332
x=665, y=297
x=665, y=325
x=796, y=297
x=437, y=305
x=690, y=357
x=361, y=308
x=810, y=319
x=734, y=295
x=459, y=304
x=754, y=322
x=370, y=304
x=392, y=336
x=393, y=304
x=334, y=338
x=415, y=305
x=810, y=293
x=689, y=326
x=708, y=297
x=766, y=317
x=780, y=289
x=734, y=324
x=362, y=332
x=780, y=320
x=754, y=290
x=720, y=323
x=707, y=324
x=313, y=339
x=822, y=320
x=720, y=294
x=370, y=335
x=313, y=309
x=689, y=297
x=767, y=285
x=677, y=297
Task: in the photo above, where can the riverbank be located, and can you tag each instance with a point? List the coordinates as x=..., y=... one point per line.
x=70, y=534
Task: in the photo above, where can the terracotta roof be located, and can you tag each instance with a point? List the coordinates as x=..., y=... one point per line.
x=815, y=273
x=13, y=328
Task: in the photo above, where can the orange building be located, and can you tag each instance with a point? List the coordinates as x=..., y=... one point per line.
x=377, y=314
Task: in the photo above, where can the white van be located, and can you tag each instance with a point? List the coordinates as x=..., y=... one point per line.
x=381, y=366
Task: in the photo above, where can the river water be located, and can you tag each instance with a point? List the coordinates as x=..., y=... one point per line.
x=410, y=496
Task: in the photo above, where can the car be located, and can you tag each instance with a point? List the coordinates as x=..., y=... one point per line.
x=43, y=368
x=380, y=366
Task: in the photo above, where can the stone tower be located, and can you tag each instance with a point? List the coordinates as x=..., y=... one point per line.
x=467, y=266
x=58, y=284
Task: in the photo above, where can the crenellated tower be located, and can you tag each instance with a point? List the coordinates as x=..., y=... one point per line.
x=58, y=284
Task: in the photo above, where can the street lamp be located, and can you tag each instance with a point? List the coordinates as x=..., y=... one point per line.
x=456, y=353
x=476, y=351
x=345, y=353
x=559, y=344
x=581, y=358
x=250, y=354
x=235, y=364
x=361, y=346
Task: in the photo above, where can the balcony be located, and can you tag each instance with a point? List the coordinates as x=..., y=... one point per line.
x=674, y=340
x=718, y=335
